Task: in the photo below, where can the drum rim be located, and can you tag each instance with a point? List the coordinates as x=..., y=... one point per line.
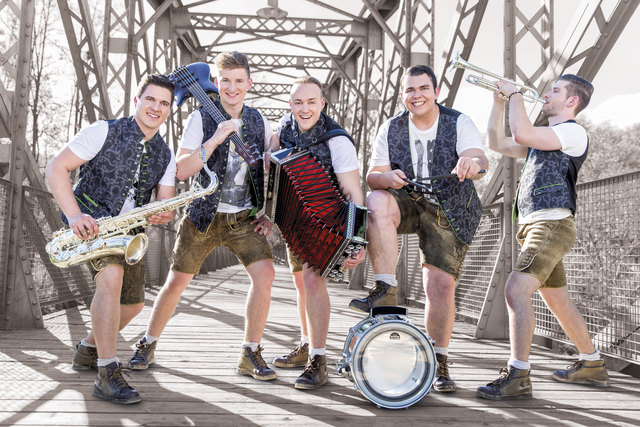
x=372, y=394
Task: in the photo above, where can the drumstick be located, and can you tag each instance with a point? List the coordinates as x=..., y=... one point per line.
x=416, y=182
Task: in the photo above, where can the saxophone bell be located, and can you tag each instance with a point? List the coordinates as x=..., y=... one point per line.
x=132, y=247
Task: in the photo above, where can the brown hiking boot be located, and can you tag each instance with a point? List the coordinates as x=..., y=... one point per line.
x=143, y=356
x=315, y=374
x=111, y=386
x=381, y=294
x=512, y=384
x=297, y=358
x=252, y=364
x=590, y=372
x=443, y=383
x=85, y=359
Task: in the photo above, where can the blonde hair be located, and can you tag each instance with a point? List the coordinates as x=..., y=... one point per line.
x=232, y=60
x=308, y=80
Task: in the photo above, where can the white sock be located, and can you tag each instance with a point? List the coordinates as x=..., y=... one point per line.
x=252, y=345
x=519, y=364
x=150, y=339
x=87, y=344
x=441, y=350
x=389, y=279
x=304, y=339
x=105, y=362
x=591, y=357
x=317, y=351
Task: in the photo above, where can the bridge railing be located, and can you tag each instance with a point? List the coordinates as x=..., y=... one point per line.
x=603, y=268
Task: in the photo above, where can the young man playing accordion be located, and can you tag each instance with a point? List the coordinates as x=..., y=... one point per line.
x=304, y=124
x=114, y=155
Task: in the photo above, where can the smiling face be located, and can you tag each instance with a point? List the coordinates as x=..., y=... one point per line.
x=306, y=104
x=419, y=96
x=152, y=108
x=233, y=84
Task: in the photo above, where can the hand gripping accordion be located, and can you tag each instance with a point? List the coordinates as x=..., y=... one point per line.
x=319, y=225
x=388, y=359
x=66, y=249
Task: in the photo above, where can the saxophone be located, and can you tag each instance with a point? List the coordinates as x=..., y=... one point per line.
x=66, y=249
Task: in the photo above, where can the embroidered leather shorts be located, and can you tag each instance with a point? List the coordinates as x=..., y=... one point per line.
x=544, y=244
x=233, y=230
x=439, y=246
x=132, y=282
x=295, y=264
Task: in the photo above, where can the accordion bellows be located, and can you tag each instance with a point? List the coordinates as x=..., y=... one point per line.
x=318, y=224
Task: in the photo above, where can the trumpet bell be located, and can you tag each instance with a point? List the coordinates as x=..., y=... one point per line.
x=529, y=94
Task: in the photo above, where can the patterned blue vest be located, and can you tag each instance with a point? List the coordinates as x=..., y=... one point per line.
x=458, y=200
x=201, y=211
x=106, y=179
x=548, y=181
x=289, y=137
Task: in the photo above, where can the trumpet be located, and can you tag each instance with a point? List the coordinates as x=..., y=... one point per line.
x=529, y=94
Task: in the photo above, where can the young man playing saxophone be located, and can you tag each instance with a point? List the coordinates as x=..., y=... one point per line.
x=122, y=161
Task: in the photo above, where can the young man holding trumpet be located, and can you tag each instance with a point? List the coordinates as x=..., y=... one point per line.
x=545, y=205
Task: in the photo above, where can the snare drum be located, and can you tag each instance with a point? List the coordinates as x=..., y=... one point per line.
x=388, y=359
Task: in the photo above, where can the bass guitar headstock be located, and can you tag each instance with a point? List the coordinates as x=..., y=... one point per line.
x=186, y=76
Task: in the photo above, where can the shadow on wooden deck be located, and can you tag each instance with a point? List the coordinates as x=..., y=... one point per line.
x=193, y=380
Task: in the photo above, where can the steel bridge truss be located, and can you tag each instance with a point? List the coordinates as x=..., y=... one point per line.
x=360, y=52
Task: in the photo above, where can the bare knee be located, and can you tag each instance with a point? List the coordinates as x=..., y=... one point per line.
x=519, y=289
x=176, y=282
x=439, y=286
x=262, y=274
x=380, y=204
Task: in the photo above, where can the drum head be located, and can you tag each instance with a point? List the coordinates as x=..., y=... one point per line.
x=393, y=364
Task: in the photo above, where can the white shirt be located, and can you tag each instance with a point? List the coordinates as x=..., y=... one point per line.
x=573, y=140
x=235, y=188
x=467, y=134
x=90, y=140
x=343, y=153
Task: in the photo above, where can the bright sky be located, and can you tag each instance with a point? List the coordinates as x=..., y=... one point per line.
x=617, y=87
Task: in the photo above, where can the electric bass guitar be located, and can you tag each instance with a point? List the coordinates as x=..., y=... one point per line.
x=193, y=80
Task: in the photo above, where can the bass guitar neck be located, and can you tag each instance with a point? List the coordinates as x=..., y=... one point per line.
x=193, y=80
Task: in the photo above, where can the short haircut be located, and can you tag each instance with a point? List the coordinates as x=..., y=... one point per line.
x=232, y=60
x=579, y=87
x=417, y=70
x=158, y=80
x=307, y=80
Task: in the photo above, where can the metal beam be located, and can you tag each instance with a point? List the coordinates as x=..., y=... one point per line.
x=19, y=299
x=253, y=24
x=273, y=61
x=460, y=41
x=90, y=75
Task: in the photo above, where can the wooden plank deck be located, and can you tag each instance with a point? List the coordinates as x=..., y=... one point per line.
x=193, y=381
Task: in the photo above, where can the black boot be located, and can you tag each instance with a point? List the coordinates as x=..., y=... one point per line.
x=315, y=374
x=444, y=383
x=512, y=384
x=111, y=386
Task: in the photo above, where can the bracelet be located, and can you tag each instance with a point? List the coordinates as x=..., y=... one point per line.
x=203, y=154
x=513, y=93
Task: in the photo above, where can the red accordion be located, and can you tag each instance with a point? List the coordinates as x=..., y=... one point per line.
x=318, y=224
